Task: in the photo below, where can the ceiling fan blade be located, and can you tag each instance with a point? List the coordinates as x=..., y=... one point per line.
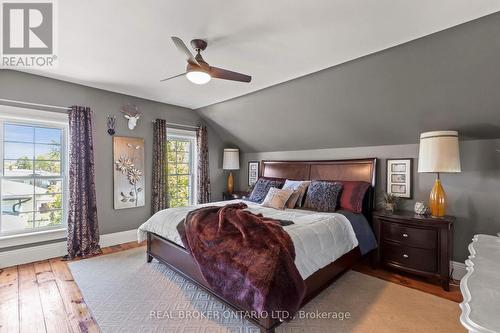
x=224, y=74
x=184, y=50
x=173, y=77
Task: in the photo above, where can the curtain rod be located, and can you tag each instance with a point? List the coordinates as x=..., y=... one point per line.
x=67, y=108
x=180, y=125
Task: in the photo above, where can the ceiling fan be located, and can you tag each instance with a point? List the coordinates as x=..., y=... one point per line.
x=198, y=70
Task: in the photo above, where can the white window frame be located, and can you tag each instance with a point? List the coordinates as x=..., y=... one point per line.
x=11, y=114
x=176, y=133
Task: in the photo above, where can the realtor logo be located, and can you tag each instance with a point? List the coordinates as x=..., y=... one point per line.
x=28, y=34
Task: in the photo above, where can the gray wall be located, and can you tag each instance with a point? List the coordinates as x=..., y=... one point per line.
x=36, y=89
x=448, y=80
x=381, y=103
x=473, y=195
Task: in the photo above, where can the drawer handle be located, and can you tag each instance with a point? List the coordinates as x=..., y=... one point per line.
x=405, y=255
x=405, y=235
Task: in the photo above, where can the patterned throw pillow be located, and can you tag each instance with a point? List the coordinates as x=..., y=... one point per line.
x=323, y=196
x=299, y=188
x=262, y=186
x=277, y=198
x=353, y=193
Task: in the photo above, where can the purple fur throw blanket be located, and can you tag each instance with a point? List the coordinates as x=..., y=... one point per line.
x=246, y=258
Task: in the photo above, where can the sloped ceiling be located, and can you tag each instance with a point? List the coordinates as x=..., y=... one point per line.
x=449, y=80
x=125, y=46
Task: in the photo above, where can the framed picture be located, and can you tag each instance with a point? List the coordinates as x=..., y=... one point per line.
x=253, y=172
x=128, y=172
x=399, y=174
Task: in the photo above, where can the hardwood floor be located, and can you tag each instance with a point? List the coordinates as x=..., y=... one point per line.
x=412, y=281
x=43, y=297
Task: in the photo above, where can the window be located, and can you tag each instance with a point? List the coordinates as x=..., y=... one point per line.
x=33, y=174
x=181, y=165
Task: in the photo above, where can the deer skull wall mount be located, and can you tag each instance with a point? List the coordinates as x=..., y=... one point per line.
x=131, y=112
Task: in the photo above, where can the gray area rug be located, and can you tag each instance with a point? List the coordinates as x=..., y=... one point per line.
x=126, y=294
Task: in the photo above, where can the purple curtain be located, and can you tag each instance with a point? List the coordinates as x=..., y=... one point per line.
x=83, y=231
x=203, y=194
x=159, y=187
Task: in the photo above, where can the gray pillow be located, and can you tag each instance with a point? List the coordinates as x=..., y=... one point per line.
x=299, y=187
x=262, y=187
x=323, y=196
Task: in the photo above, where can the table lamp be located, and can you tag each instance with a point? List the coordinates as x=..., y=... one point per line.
x=438, y=153
x=231, y=161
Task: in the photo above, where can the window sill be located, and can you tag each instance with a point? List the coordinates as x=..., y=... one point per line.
x=32, y=237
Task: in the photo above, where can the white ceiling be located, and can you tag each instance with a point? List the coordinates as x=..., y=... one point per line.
x=125, y=46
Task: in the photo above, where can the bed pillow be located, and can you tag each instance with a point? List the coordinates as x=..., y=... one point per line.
x=262, y=186
x=277, y=198
x=323, y=196
x=299, y=188
x=353, y=193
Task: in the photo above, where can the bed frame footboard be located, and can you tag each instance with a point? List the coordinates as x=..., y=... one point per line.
x=179, y=260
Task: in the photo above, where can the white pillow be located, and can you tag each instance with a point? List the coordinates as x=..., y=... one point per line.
x=300, y=188
x=277, y=198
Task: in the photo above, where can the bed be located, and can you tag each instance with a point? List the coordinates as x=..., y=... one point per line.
x=167, y=249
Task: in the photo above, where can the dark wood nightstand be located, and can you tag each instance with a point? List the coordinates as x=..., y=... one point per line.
x=234, y=195
x=414, y=243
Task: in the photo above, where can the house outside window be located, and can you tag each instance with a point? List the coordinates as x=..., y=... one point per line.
x=33, y=171
x=181, y=164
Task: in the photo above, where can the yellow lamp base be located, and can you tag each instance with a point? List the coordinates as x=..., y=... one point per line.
x=437, y=200
x=230, y=183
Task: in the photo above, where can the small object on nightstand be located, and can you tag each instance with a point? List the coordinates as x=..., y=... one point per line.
x=421, y=208
x=235, y=195
x=390, y=202
x=416, y=244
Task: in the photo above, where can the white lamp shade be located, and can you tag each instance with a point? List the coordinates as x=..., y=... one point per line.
x=231, y=160
x=439, y=152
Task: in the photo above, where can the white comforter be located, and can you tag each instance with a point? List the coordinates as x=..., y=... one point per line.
x=319, y=238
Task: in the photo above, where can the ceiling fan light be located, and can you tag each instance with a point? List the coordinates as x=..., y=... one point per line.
x=198, y=77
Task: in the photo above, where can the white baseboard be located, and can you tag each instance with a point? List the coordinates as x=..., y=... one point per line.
x=118, y=238
x=52, y=250
x=459, y=270
x=32, y=253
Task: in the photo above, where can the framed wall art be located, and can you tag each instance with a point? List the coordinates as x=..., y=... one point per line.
x=399, y=177
x=253, y=172
x=128, y=172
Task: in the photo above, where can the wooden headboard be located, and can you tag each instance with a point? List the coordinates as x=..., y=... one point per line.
x=355, y=169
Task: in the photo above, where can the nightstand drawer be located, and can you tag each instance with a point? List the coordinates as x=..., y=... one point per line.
x=410, y=257
x=417, y=244
x=408, y=236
